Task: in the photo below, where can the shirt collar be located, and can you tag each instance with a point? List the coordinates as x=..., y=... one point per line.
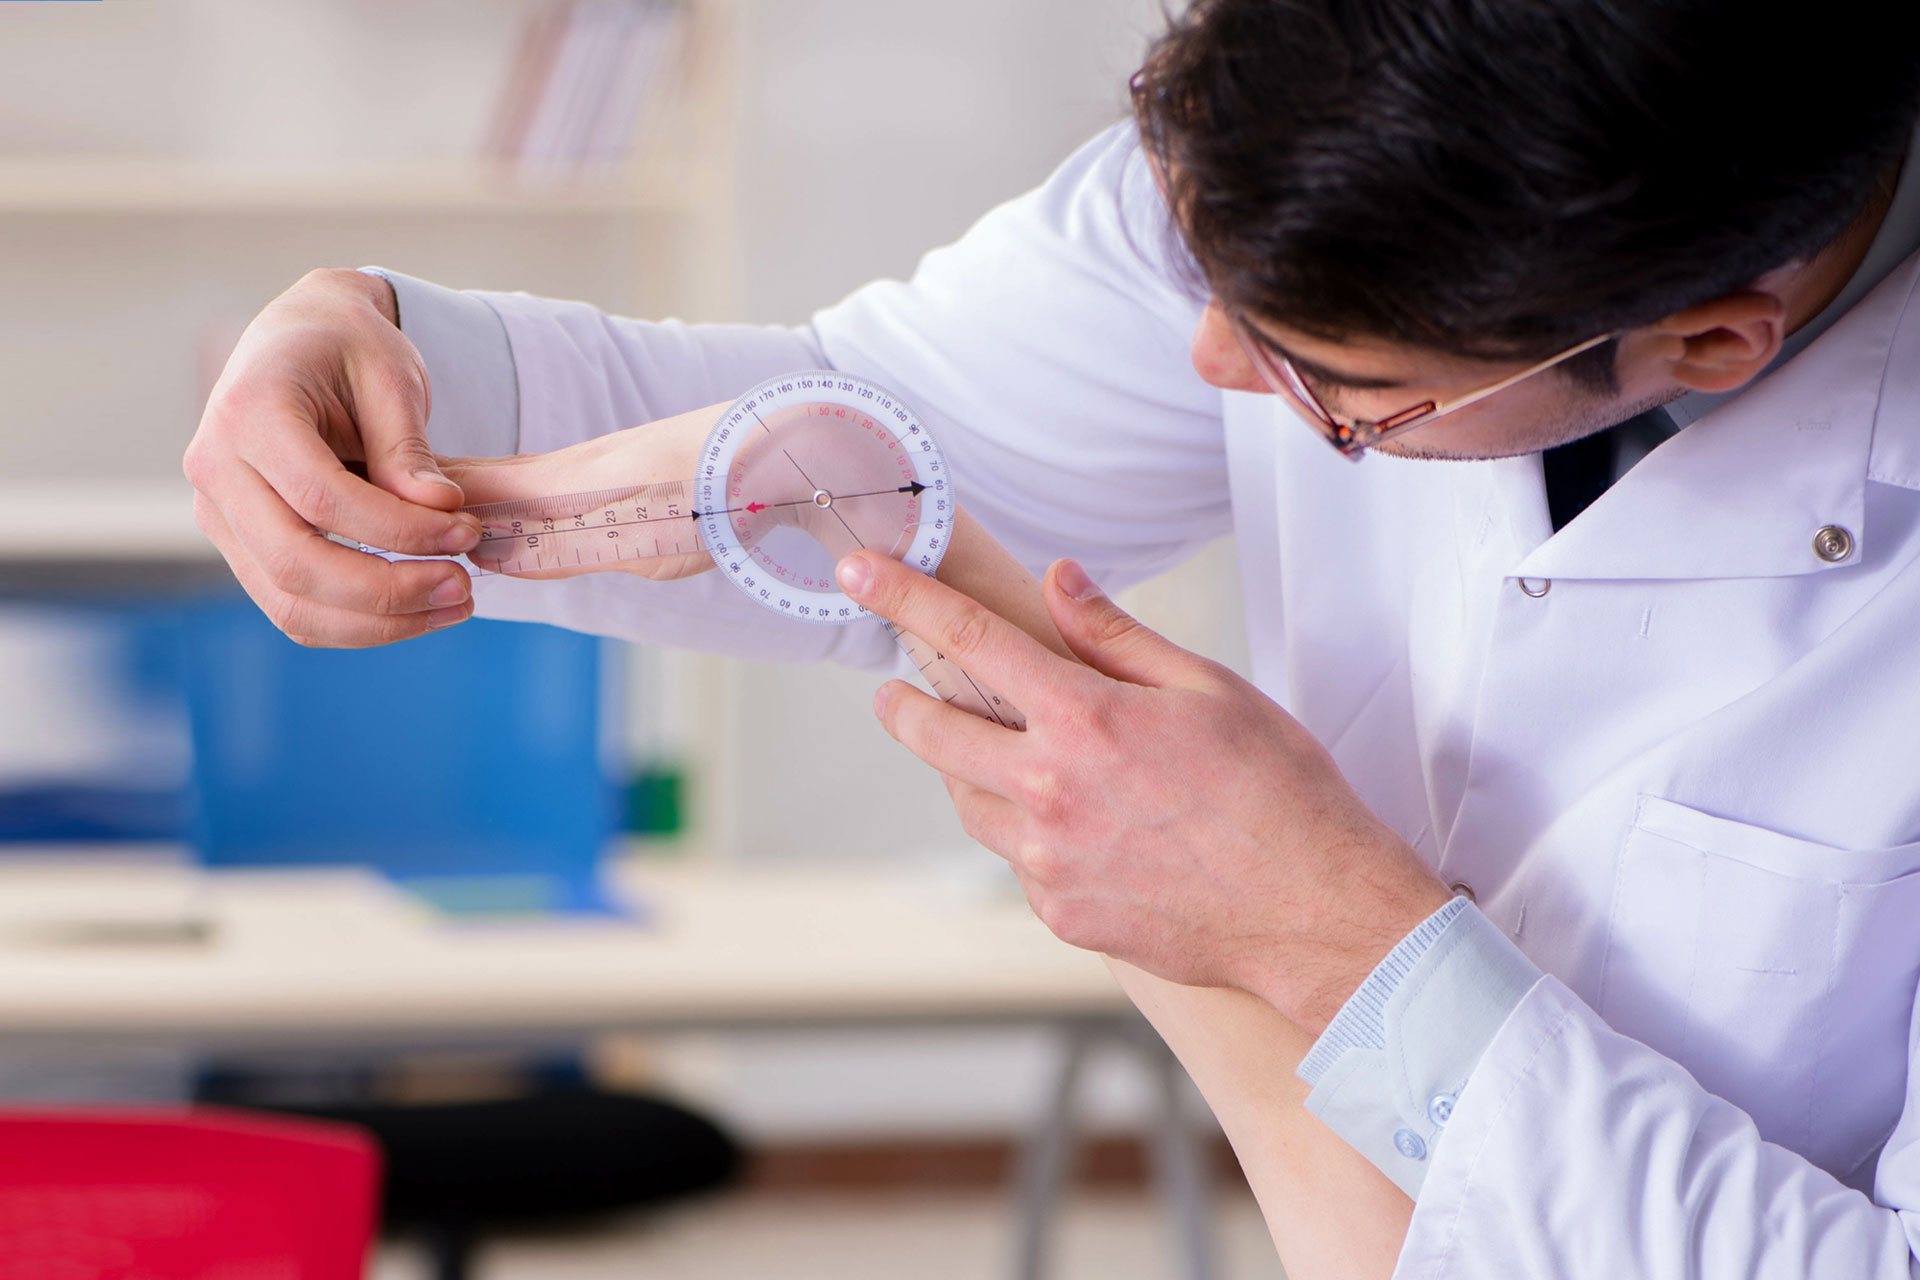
x=1744, y=490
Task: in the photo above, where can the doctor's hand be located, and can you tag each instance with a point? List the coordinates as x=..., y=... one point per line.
x=323, y=378
x=1158, y=808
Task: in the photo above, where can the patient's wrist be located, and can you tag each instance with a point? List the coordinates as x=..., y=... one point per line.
x=651, y=453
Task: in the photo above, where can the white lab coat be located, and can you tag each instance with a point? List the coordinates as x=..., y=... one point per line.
x=1686, y=779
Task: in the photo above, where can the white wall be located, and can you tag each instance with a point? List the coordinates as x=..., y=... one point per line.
x=953, y=109
x=958, y=106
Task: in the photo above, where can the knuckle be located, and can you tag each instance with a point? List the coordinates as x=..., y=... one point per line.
x=242, y=392
x=291, y=617
x=409, y=453
x=915, y=729
x=1114, y=627
x=389, y=598
x=197, y=467
x=969, y=632
x=884, y=594
x=367, y=637
x=1067, y=920
x=285, y=566
x=325, y=280
x=394, y=378
x=1040, y=861
x=1042, y=792
x=317, y=501
x=393, y=630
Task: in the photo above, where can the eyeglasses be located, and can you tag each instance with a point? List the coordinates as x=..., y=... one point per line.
x=1355, y=438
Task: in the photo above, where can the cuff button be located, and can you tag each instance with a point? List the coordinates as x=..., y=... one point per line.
x=1408, y=1144
x=1440, y=1108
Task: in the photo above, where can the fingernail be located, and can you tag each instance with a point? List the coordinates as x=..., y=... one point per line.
x=446, y=617
x=461, y=537
x=429, y=476
x=1075, y=582
x=880, y=703
x=452, y=591
x=854, y=574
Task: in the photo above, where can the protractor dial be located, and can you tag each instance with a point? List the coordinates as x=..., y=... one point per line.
x=806, y=468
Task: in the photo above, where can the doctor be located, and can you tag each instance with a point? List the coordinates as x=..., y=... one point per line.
x=1579, y=881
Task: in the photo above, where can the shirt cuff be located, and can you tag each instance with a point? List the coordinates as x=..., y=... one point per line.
x=1389, y=1070
x=475, y=389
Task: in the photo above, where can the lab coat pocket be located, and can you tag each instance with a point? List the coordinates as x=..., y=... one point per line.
x=1779, y=971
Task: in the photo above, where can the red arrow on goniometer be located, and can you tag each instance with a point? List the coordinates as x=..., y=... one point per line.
x=756, y=507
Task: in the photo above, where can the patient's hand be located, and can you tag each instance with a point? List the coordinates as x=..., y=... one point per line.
x=648, y=454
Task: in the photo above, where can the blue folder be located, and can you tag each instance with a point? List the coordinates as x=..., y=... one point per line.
x=466, y=764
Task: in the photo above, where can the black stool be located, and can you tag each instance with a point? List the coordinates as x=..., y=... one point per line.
x=456, y=1169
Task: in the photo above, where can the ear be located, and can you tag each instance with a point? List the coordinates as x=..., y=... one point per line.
x=1725, y=343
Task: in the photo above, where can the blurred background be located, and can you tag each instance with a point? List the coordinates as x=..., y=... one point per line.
x=219, y=883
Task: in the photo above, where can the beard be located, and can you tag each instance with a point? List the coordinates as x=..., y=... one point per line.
x=1571, y=421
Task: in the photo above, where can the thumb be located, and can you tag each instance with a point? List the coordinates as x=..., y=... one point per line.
x=1105, y=636
x=390, y=408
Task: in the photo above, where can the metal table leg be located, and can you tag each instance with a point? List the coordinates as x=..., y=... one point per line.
x=1045, y=1157
x=1176, y=1152
x=1180, y=1167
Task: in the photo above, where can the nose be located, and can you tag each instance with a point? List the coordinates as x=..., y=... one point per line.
x=1219, y=358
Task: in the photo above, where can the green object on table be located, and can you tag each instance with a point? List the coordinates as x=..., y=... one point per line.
x=655, y=802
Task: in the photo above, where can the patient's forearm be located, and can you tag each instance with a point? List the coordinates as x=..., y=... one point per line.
x=1331, y=1213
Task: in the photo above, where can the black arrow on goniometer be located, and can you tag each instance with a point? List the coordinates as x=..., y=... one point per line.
x=916, y=488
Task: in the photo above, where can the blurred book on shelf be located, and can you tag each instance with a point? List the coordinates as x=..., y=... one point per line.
x=586, y=78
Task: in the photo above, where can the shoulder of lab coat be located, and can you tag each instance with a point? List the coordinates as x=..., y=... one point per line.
x=1046, y=350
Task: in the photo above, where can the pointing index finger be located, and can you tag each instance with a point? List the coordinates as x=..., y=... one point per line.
x=979, y=640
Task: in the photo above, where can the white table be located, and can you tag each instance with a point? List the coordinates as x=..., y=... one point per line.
x=271, y=960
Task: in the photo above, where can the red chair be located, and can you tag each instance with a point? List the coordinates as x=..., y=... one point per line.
x=183, y=1194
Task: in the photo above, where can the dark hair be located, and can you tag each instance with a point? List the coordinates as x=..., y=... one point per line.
x=1505, y=178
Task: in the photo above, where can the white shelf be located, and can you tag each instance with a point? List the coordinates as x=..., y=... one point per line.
x=138, y=185
x=111, y=522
